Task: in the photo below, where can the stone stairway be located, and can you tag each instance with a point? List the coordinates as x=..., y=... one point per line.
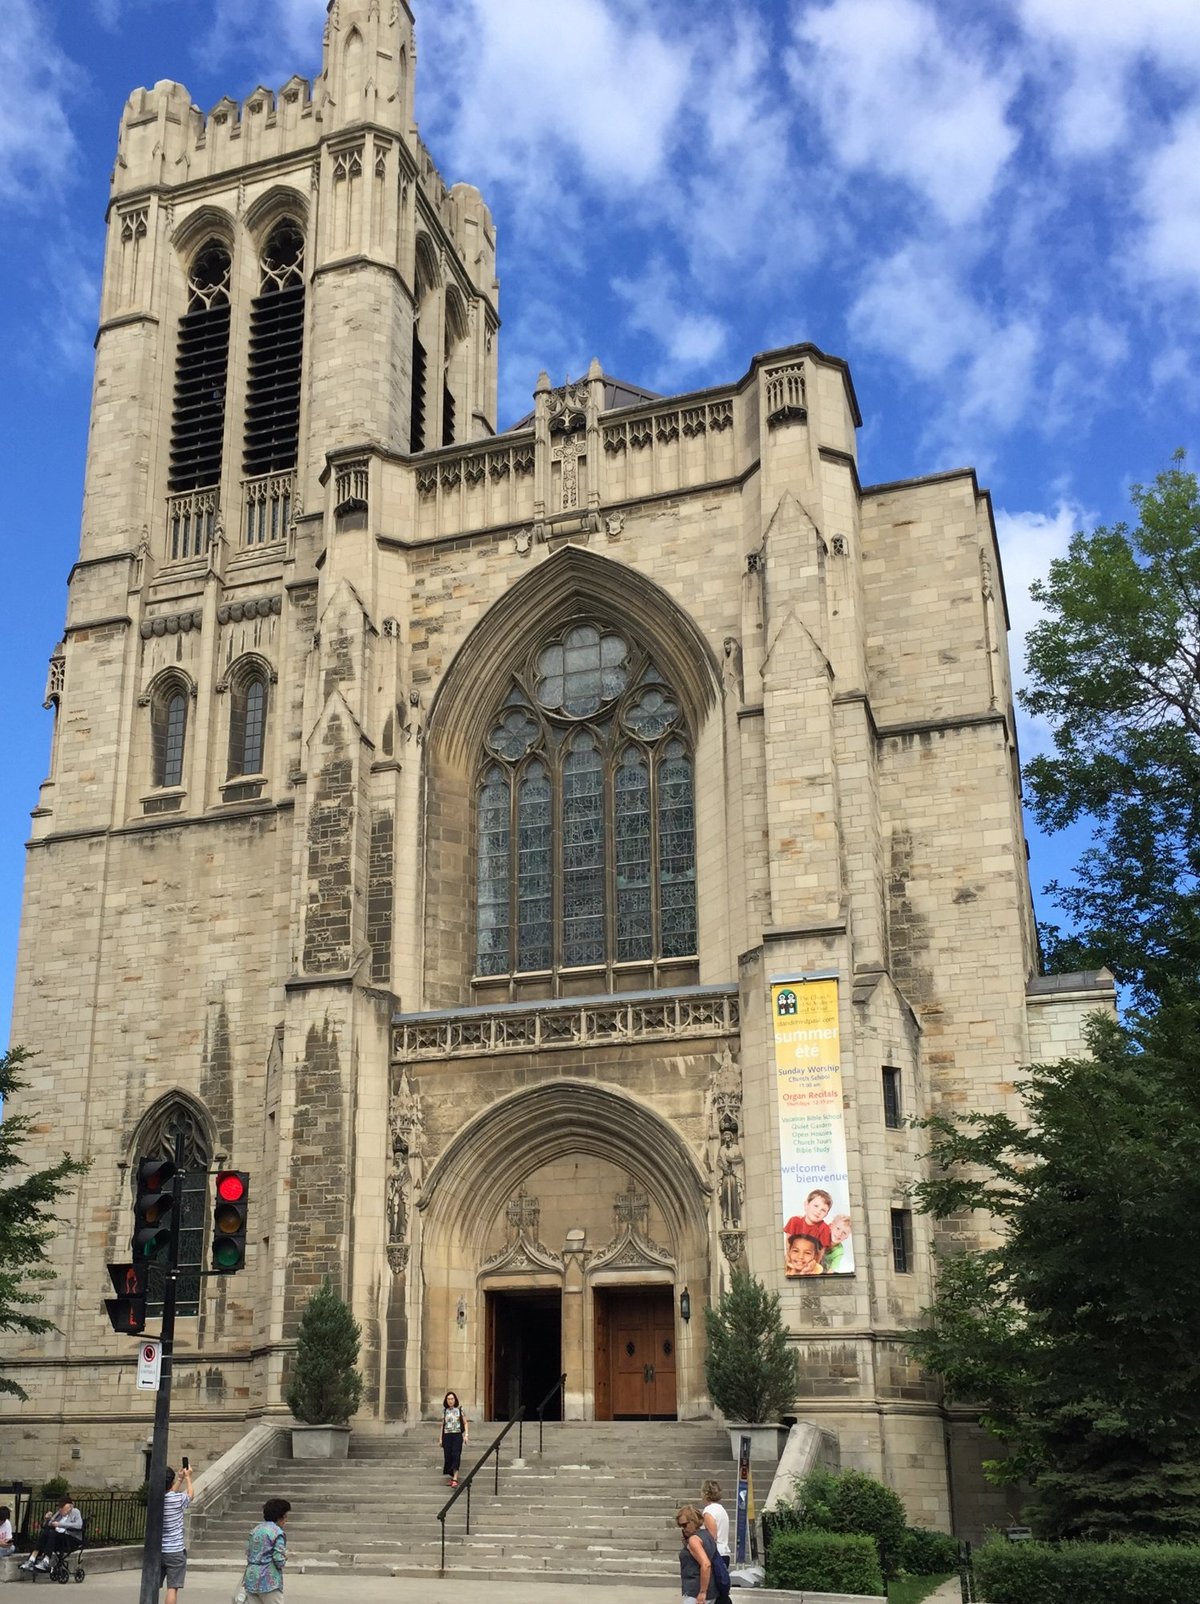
x=596, y=1505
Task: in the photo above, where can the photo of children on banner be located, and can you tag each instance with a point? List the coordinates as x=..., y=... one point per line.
x=818, y=1241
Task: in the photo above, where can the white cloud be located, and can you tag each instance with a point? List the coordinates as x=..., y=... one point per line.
x=37, y=146
x=1086, y=352
x=900, y=96
x=537, y=85
x=269, y=39
x=1029, y=543
x=660, y=306
x=913, y=309
x=1169, y=201
x=1094, y=46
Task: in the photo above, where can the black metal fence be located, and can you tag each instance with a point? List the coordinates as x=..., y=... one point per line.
x=111, y=1517
x=966, y=1573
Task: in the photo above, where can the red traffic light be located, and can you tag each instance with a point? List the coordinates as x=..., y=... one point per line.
x=231, y=1186
x=232, y=1189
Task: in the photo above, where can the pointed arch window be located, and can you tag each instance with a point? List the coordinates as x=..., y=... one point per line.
x=273, y=385
x=168, y=732
x=585, y=842
x=156, y=1139
x=198, y=419
x=248, y=722
x=201, y=372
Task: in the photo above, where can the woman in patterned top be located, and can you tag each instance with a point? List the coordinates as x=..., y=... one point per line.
x=453, y=1435
x=266, y=1551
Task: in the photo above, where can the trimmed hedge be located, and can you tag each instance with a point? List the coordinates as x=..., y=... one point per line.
x=928, y=1553
x=1082, y=1573
x=824, y=1562
x=854, y=1502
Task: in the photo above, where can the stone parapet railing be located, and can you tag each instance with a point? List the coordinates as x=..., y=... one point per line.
x=691, y=1012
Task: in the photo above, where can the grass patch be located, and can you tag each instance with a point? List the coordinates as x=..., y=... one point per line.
x=912, y=1589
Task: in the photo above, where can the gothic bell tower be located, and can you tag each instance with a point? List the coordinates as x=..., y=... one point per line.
x=292, y=296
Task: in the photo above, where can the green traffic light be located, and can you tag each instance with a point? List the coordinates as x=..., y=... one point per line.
x=227, y=1255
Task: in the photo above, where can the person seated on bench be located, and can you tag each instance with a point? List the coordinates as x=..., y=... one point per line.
x=62, y=1533
x=6, y=1537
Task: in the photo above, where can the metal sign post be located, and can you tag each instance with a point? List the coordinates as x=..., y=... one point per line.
x=152, y=1553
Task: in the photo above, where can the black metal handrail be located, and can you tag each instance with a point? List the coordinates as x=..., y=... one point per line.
x=558, y=1387
x=464, y=1483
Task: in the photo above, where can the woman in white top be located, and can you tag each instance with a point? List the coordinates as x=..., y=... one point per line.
x=716, y=1520
x=6, y=1537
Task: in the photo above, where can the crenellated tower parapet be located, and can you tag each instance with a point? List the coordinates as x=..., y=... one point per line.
x=396, y=338
x=366, y=78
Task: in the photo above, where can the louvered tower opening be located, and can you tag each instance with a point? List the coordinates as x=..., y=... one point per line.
x=416, y=426
x=201, y=371
x=447, y=414
x=276, y=349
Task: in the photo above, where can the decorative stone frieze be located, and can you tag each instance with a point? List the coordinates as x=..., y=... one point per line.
x=259, y=607
x=171, y=624
x=666, y=425
x=663, y=1016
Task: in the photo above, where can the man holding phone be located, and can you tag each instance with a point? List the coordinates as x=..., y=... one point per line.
x=174, y=1554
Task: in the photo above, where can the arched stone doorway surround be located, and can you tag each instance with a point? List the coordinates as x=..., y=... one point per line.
x=470, y=1186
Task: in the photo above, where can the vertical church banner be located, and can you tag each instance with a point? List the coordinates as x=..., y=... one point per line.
x=817, y=1235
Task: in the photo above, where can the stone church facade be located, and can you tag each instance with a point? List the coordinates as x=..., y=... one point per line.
x=431, y=810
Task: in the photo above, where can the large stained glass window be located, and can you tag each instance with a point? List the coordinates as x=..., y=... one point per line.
x=585, y=833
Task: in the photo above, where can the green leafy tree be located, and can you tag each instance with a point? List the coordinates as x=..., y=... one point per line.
x=326, y=1387
x=1115, y=668
x=752, y=1372
x=1076, y=1331
x=27, y=1217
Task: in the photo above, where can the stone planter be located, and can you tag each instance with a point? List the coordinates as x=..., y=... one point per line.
x=320, y=1442
x=766, y=1442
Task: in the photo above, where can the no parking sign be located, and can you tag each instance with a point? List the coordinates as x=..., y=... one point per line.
x=149, y=1366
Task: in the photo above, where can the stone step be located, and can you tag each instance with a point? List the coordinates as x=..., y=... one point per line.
x=596, y=1505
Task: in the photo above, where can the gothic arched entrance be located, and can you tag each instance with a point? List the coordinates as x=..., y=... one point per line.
x=557, y=1234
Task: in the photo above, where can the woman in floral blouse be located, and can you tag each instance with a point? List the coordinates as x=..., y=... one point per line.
x=266, y=1551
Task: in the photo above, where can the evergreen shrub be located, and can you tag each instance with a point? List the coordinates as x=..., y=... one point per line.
x=325, y=1386
x=928, y=1553
x=1085, y=1573
x=58, y=1488
x=752, y=1371
x=854, y=1502
x=824, y=1562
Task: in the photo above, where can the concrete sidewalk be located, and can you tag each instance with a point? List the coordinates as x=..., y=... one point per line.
x=206, y=1587
x=323, y=1588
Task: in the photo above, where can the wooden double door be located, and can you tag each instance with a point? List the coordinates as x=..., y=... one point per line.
x=635, y=1353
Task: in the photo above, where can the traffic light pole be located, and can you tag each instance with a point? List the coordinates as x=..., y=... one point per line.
x=152, y=1553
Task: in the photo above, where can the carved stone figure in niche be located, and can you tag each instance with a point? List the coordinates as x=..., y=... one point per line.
x=404, y=1168
x=731, y=1173
x=724, y=1103
x=398, y=1183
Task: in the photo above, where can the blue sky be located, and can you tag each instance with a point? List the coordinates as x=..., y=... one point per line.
x=992, y=211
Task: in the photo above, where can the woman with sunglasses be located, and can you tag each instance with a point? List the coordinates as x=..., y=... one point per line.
x=695, y=1557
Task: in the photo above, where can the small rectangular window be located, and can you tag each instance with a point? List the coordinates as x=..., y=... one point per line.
x=902, y=1241
x=893, y=1117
